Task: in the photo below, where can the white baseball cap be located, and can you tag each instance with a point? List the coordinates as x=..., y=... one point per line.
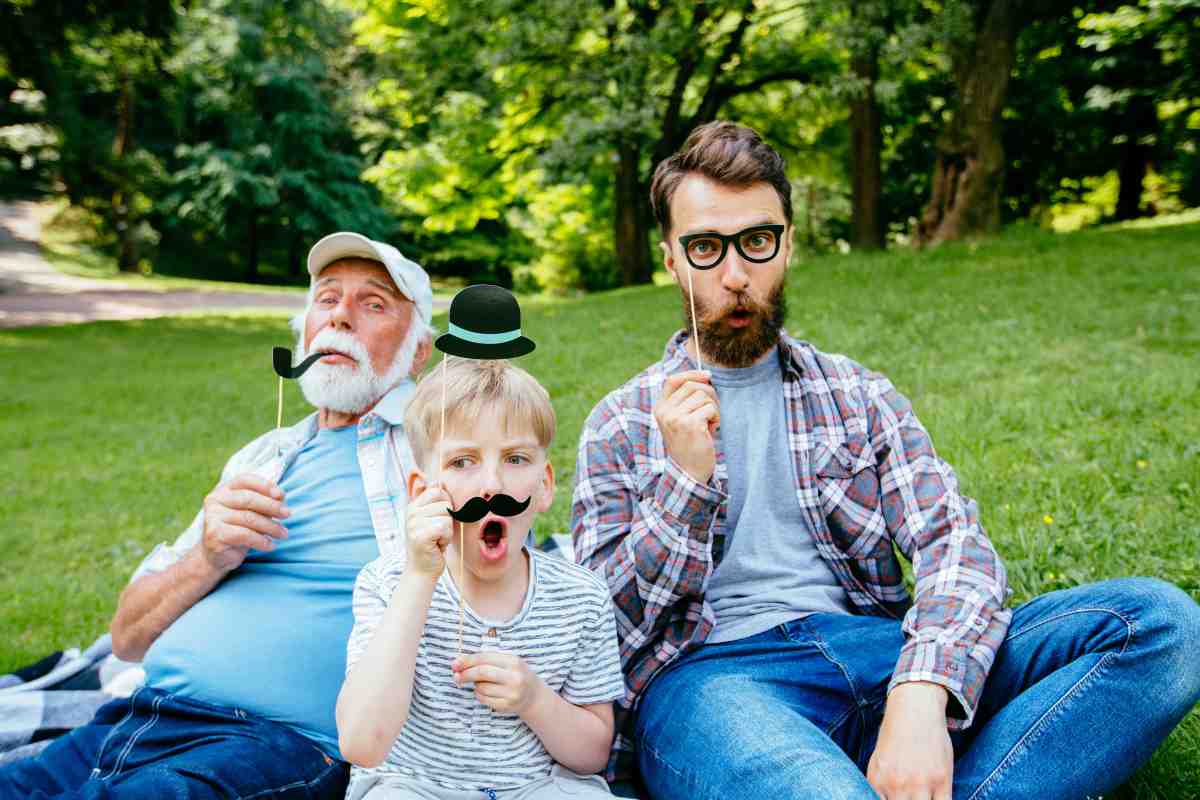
x=411, y=280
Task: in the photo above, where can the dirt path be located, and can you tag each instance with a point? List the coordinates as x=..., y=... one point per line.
x=34, y=293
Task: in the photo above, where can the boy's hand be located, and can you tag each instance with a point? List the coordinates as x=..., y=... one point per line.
x=428, y=530
x=503, y=681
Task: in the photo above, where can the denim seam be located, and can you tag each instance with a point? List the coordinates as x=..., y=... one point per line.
x=981, y=792
x=293, y=785
x=857, y=706
x=1129, y=623
x=133, y=739
x=685, y=776
x=108, y=738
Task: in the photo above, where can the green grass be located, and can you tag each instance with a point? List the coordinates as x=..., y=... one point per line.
x=1059, y=374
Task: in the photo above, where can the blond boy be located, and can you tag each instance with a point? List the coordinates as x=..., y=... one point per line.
x=526, y=710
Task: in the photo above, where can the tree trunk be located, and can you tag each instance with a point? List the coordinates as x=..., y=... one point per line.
x=968, y=176
x=632, y=229
x=294, y=263
x=252, y=247
x=866, y=144
x=1141, y=124
x=122, y=222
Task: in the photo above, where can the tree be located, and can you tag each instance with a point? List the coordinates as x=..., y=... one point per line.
x=969, y=174
x=1141, y=61
x=575, y=85
x=96, y=67
x=266, y=152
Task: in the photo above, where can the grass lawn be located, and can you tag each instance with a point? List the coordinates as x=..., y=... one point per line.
x=1059, y=374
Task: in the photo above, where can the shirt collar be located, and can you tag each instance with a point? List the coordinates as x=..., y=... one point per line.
x=391, y=406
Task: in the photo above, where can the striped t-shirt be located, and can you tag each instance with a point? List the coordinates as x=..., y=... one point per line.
x=565, y=631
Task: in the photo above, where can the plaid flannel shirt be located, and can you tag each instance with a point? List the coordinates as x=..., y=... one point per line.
x=868, y=480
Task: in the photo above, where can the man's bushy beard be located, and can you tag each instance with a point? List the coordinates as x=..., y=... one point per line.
x=735, y=348
x=352, y=389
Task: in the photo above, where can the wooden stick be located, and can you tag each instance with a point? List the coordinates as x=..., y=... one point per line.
x=695, y=327
x=279, y=414
x=462, y=587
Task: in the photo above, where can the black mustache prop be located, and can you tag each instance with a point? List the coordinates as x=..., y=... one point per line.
x=502, y=505
x=281, y=359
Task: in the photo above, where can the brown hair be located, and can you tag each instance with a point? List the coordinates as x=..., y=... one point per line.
x=726, y=153
x=471, y=387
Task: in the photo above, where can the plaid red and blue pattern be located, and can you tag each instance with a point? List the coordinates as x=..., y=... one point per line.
x=868, y=480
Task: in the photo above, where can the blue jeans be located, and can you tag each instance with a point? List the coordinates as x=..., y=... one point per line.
x=1088, y=682
x=157, y=745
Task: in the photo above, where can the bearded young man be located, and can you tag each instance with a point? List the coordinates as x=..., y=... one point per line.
x=242, y=623
x=745, y=519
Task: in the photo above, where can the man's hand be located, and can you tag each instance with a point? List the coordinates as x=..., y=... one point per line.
x=428, y=529
x=503, y=681
x=687, y=413
x=913, y=759
x=240, y=515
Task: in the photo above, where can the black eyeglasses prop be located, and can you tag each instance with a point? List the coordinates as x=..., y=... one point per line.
x=757, y=244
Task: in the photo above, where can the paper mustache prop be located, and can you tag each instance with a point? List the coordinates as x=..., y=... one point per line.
x=485, y=322
x=502, y=505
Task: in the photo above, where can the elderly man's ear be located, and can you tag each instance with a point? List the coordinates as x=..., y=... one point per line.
x=421, y=357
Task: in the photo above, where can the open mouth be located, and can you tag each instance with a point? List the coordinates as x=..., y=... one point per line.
x=493, y=538
x=740, y=317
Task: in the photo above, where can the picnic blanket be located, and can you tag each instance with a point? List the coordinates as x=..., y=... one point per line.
x=57, y=693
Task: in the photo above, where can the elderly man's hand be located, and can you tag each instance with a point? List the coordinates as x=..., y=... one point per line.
x=913, y=759
x=240, y=515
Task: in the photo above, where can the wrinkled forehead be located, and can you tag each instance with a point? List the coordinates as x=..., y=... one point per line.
x=356, y=272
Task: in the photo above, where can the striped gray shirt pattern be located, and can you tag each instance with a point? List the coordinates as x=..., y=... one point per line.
x=565, y=631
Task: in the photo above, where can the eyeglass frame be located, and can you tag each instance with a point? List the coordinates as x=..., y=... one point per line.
x=774, y=228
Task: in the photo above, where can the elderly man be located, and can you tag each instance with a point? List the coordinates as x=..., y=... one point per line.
x=242, y=623
x=747, y=519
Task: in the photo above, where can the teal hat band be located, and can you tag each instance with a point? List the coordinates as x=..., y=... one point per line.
x=484, y=338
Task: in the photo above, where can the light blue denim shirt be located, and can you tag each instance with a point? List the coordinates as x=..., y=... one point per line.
x=384, y=457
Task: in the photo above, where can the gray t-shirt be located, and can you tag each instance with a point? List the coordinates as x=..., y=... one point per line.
x=771, y=572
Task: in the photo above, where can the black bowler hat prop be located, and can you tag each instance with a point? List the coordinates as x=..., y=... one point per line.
x=485, y=322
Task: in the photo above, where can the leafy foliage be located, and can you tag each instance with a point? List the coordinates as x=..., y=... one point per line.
x=512, y=141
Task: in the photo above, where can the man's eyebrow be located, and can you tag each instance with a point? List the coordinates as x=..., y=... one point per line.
x=701, y=230
x=385, y=286
x=327, y=281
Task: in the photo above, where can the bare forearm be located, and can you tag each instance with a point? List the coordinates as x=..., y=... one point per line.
x=373, y=704
x=149, y=605
x=577, y=737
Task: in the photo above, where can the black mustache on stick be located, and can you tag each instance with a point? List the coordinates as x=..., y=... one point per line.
x=502, y=505
x=281, y=359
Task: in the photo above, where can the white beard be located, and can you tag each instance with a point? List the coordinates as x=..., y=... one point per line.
x=352, y=389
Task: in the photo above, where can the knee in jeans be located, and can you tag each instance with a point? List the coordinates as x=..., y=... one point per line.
x=1172, y=617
